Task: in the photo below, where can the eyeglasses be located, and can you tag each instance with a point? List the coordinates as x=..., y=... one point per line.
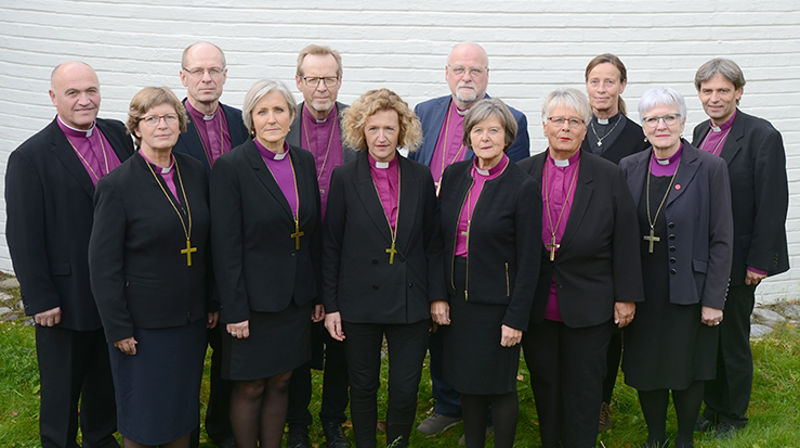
x=199, y=72
x=313, y=81
x=669, y=120
x=153, y=120
x=459, y=70
x=574, y=123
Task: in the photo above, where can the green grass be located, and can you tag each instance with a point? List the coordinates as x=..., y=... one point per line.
x=774, y=410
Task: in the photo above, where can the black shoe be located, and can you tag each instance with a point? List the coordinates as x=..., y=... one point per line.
x=703, y=424
x=334, y=436
x=227, y=442
x=724, y=431
x=298, y=437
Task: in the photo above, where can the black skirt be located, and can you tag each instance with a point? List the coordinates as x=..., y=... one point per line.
x=474, y=362
x=278, y=342
x=158, y=389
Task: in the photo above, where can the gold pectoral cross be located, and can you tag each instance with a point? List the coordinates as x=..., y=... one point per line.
x=188, y=252
x=652, y=238
x=296, y=235
x=552, y=246
x=391, y=251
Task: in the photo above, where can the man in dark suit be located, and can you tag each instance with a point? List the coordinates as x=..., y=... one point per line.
x=317, y=128
x=467, y=75
x=50, y=183
x=753, y=150
x=212, y=129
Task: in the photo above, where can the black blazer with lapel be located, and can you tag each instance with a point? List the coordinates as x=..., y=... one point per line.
x=358, y=280
x=189, y=141
x=598, y=261
x=256, y=263
x=759, y=193
x=504, y=247
x=699, y=222
x=140, y=278
x=630, y=141
x=49, y=211
x=293, y=138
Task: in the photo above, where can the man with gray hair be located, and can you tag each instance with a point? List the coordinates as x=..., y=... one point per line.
x=753, y=150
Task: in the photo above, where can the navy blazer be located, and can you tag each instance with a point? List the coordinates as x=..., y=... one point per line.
x=189, y=141
x=49, y=212
x=630, y=141
x=598, y=262
x=432, y=113
x=699, y=222
x=504, y=241
x=140, y=278
x=759, y=192
x=293, y=138
x=358, y=280
x=257, y=264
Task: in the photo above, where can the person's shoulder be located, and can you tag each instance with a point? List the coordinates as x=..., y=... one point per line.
x=529, y=162
x=432, y=103
x=39, y=141
x=111, y=123
x=754, y=124
x=230, y=109
x=188, y=161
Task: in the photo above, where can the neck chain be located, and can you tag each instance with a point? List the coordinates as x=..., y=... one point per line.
x=717, y=149
x=391, y=250
x=327, y=149
x=86, y=162
x=295, y=214
x=553, y=245
x=187, y=230
x=221, y=139
x=445, y=164
x=600, y=139
x=652, y=238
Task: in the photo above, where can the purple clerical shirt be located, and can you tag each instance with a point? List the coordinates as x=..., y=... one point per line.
x=449, y=146
x=93, y=150
x=559, y=182
x=213, y=131
x=715, y=139
x=168, y=174
x=386, y=176
x=665, y=167
x=323, y=139
x=479, y=178
x=280, y=165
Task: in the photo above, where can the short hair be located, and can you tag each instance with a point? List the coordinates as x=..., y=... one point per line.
x=661, y=96
x=319, y=50
x=148, y=98
x=187, y=49
x=354, y=119
x=608, y=58
x=725, y=67
x=486, y=108
x=572, y=98
x=258, y=90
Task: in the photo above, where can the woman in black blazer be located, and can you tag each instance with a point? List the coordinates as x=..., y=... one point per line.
x=612, y=136
x=382, y=263
x=266, y=240
x=589, y=277
x=149, y=261
x=686, y=223
x=490, y=218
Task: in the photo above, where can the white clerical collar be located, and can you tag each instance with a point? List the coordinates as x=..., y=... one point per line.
x=280, y=155
x=663, y=161
x=603, y=121
x=482, y=171
x=381, y=165
x=88, y=132
x=209, y=117
x=561, y=163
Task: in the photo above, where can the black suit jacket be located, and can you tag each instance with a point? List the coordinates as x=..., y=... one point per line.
x=699, y=225
x=293, y=138
x=358, y=280
x=256, y=263
x=630, y=141
x=598, y=261
x=139, y=277
x=759, y=193
x=504, y=243
x=189, y=141
x=49, y=218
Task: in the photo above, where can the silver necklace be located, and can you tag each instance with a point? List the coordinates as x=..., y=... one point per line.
x=599, y=139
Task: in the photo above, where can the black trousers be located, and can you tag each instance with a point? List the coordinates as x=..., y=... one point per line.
x=73, y=366
x=567, y=368
x=407, y=344
x=218, y=412
x=334, y=382
x=728, y=396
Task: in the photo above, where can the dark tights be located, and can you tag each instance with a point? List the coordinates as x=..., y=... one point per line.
x=258, y=410
x=475, y=409
x=181, y=442
x=687, y=406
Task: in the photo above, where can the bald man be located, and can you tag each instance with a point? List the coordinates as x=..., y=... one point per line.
x=467, y=75
x=50, y=181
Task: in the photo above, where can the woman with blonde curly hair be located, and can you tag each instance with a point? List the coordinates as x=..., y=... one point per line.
x=382, y=265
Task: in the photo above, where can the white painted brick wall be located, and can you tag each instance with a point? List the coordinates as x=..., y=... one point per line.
x=533, y=47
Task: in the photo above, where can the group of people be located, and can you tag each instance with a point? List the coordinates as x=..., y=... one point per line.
x=292, y=236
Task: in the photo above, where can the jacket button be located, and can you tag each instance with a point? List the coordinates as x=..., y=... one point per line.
x=673, y=271
x=375, y=287
x=672, y=248
x=410, y=285
x=671, y=225
x=671, y=237
x=292, y=253
x=374, y=261
x=672, y=260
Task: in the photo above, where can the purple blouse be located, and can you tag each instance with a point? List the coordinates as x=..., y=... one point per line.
x=386, y=177
x=280, y=166
x=479, y=177
x=168, y=174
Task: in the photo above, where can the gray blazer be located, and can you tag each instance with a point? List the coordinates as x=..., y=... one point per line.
x=699, y=224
